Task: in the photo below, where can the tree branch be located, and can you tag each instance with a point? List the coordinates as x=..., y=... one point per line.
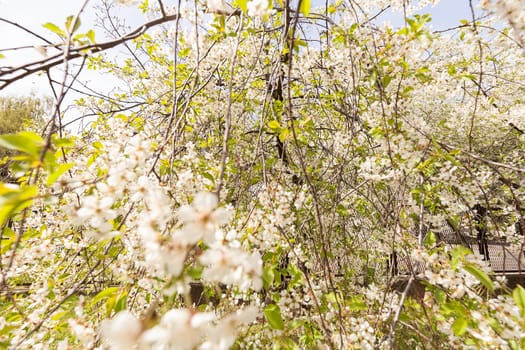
x=26, y=30
x=10, y=75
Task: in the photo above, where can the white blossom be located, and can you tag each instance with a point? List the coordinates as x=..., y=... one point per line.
x=202, y=217
x=259, y=8
x=122, y=332
x=179, y=329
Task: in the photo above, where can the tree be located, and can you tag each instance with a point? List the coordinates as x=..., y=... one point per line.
x=17, y=114
x=278, y=154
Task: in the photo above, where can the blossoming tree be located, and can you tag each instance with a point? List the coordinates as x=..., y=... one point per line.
x=250, y=179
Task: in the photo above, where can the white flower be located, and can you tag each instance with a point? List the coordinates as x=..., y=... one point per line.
x=140, y=189
x=63, y=345
x=217, y=6
x=42, y=50
x=223, y=335
x=97, y=213
x=202, y=217
x=164, y=255
x=122, y=332
x=137, y=150
x=85, y=334
x=179, y=329
x=126, y=2
x=232, y=266
x=119, y=177
x=459, y=292
x=259, y=8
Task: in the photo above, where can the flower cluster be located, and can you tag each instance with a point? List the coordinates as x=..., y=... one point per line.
x=259, y=8
x=180, y=329
x=511, y=11
x=333, y=155
x=223, y=261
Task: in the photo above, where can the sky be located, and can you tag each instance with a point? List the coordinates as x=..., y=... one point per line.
x=34, y=13
x=445, y=15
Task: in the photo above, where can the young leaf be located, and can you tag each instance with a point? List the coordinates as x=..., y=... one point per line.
x=75, y=26
x=243, y=5
x=430, y=240
x=519, y=298
x=61, y=169
x=305, y=7
x=460, y=326
x=480, y=276
x=283, y=135
x=458, y=254
x=55, y=29
x=106, y=293
x=13, y=199
x=91, y=36
x=8, y=238
x=273, y=315
x=268, y=276
x=274, y=124
x=26, y=142
x=208, y=176
x=357, y=304
x=121, y=302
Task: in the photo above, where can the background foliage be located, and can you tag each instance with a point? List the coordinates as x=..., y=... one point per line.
x=259, y=164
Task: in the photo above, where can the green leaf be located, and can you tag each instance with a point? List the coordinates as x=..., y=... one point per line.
x=75, y=26
x=243, y=5
x=66, y=142
x=458, y=254
x=305, y=7
x=519, y=298
x=285, y=343
x=121, y=302
x=342, y=210
x=194, y=272
x=274, y=124
x=59, y=315
x=268, y=276
x=440, y=295
x=357, y=304
x=460, y=326
x=296, y=274
x=454, y=308
x=273, y=315
x=14, y=199
x=55, y=29
x=386, y=80
x=26, y=142
x=430, y=240
x=8, y=238
x=283, y=135
x=61, y=169
x=208, y=176
x=98, y=145
x=480, y=276
x=91, y=35
x=144, y=6
x=106, y=293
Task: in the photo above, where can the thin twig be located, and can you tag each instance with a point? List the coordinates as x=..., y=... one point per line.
x=11, y=75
